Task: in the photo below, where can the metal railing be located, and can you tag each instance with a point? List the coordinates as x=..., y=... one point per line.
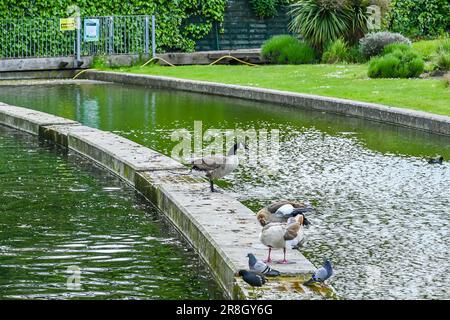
x=38, y=37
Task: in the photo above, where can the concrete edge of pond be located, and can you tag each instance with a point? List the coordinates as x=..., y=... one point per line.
x=29, y=120
x=220, y=228
x=38, y=74
x=438, y=124
x=43, y=82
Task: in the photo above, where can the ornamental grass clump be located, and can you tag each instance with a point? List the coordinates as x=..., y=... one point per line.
x=442, y=58
x=286, y=49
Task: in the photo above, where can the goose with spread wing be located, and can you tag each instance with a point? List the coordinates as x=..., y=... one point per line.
x=281, y=211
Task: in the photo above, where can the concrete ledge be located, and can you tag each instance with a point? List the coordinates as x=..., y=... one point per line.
x=36, y=64
x=28, y=120
x=58, y=67
x=220, y=228
x=41, y=82
x=206, y=57
x=120, y=155
x=404, y=117
x=41, y=74
x=57, y=133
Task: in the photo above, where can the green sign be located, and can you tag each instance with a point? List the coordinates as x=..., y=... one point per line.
x=91, y=30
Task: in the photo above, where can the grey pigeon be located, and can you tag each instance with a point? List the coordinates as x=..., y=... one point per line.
x=252, y=278
x=322, y=274
x=260, y=267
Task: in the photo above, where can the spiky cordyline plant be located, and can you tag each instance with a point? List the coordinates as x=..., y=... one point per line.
x=323, y=21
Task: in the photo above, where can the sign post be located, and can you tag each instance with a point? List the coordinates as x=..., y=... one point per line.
x=153, y=36
x=78, y=24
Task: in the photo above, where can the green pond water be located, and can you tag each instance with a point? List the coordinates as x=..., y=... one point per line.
x=382, y=212
x=60, y=212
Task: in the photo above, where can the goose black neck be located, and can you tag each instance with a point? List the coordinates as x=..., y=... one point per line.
x=235, y=147
x=233, y=150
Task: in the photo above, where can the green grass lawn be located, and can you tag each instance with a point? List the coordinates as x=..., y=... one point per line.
x=342, y=81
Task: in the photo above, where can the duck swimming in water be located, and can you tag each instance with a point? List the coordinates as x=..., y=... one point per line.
x=438, y=160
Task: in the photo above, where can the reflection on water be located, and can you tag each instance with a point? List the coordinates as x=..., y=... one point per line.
x=58, y=211
x=383, y=212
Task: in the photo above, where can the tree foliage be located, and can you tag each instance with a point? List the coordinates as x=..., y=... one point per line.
x=179, y=22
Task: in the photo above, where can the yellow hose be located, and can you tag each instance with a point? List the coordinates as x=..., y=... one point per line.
x=82, y=71
x=172, y=65
x=234, y=58
x=158, y=58
x=211, y=64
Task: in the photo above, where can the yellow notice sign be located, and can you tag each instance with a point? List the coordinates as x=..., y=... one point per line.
x=67, y=24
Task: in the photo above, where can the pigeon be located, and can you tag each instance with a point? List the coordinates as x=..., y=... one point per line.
x=281, y=211
x=322, y=274
x=260, y=267
x=438, y=160
x=252, y=278
x=281, y=235
x=218, y=166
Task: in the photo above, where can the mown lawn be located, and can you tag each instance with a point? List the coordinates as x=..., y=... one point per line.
x=342, y=81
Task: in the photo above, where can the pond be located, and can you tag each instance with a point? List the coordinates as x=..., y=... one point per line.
x=62, y=216
x=382, y=212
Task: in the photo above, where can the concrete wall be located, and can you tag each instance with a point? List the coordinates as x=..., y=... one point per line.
x=35, y=64
x=58, y=67
x=404, y=117
x=38, y=74
x=219, y=228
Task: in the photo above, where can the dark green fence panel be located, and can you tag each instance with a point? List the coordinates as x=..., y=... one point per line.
x=243, y=29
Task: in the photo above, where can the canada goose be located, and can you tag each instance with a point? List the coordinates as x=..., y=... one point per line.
x=218, y=166
x=281, y=211
x=277, y=235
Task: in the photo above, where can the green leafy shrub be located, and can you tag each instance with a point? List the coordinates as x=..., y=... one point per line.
x=337, y=51
x=396, y=63
x=264, y=8
x=419, y=18
x=179, y=23
x=100, y=62
x=285, y=49
x=373, y=43
x=323, y=21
